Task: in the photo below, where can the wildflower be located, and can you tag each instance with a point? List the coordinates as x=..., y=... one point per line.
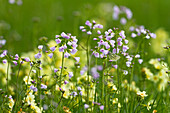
x=52, y=49
x=77, y=59
x=4, y=61
x=38, y=55
x=40, y=47
x=123, y=21
x=86, y=106
x=55, y=70
x=27, y=81
x=66, y=55
x=70, y=74
x=140, y=61
x=50, y=55
x=58, y=40
x=43, y=86
x=15, y=62
x=142, y=94
x=89, y=32
x=27, y=59
x=101, y=107
x=33, y=88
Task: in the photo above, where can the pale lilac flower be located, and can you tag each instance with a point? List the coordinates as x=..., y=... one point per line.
x=123, y=21
x=56, y=36
x=11, y=1
x=79, y=88
x=55, y=70
x=77, y=59
x=61, y=49
x=88, y=23
x=89, y=32
x=101, y=107
x=153, y=35
x=70, y=74
x=126, y=41
x=33, y=88
x=86, y=106
x=69, y=43
x=66, y=55
x=14, y=62
x=27, y=59
x=147, y=37
x=58, y=40
x=65, y=35
x=116, y=12
x=125, y=48
x=108, y=37
x=2, y=42
x=99, y=32
x=137, y=56
x=133, y=35
x=50, y=55
x=115, y=66
x=81, y=27
x=122, y=34
x=66, y=82
x=65, y=46
x=40, y=47
x=129, y=13
x=34, y=71
x=128, y=63
x=140, y=61
x=100, y=67
x=96, y=54
x=52, y=48
x=131, y=28
x=4, y=61
x=43, y=86
x=74, y=93
x=119, y=43
x=38, y=55
x=83, y=30
x=73, y=51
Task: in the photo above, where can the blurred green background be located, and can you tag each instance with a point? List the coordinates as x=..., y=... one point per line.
x=22, y=25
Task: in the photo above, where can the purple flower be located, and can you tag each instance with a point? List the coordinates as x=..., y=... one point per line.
x=137, y=56
x=38, y=55
x=123, y=21
x=52, y=48
x=43, y=86
x=115, y=66
x=65, y=35
x=88, y=23
x=147, y=37
x=50, y=55
x=119, y=43
x=140, y=61
x=4, y=61
x=122, y=34
x=40, y=47
x=56, y=36
x=27, y=59
x=133, y=35
x=83, y=30
x=55, y=70
x=89, y=32
x=125, y=72
x=128, y=63
x=33, y=88
x=66, y=55
x=131, y=28
x=101, y=107
x=70, y=74
x=153, y=35
x=77, y=59
x=125, y=48
x=98, y=32
x=108, y=37
x=126, y=41
x=61, y=49
x=96, y=54
x=86, y=106
x=66, y=82
x=69, y=43
x=116, y=12
x=81, y=27
x=14, y=62
x=73, y=51
x=58, y=40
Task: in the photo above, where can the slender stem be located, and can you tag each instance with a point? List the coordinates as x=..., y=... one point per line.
x=7, y=77
x=17, y=84
x=88, y=66
x=62, y=66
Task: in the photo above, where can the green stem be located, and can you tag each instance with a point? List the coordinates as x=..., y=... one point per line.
x=88, y=68
x=62, y=66
x=7, y=77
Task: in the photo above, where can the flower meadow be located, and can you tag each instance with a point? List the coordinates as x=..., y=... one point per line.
x=101, y=70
